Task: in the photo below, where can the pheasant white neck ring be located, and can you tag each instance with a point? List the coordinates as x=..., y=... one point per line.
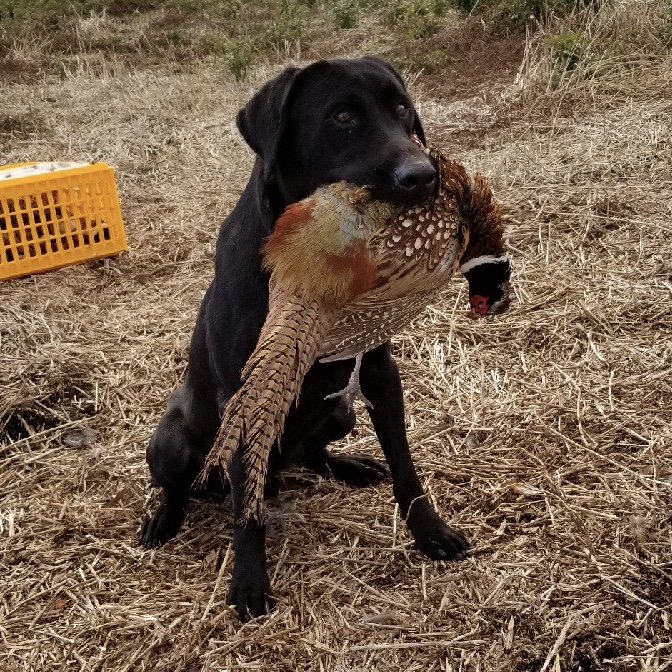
x=482, y=259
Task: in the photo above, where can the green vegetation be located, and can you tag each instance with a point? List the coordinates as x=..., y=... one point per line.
x=596, y=41
x=465, y=5
x=346, y=14
x=238, y=53
x=45, y=35
x=416, y=18
x=666, y=27
x=518, y=13
x=567, y=49
x=52, y=12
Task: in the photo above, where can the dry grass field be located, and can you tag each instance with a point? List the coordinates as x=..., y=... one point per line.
x=545, y=435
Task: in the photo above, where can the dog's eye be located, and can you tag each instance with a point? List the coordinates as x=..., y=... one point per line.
x=402, y=110
x=344, y=117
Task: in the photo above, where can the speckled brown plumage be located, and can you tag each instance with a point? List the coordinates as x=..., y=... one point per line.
x=347, y=272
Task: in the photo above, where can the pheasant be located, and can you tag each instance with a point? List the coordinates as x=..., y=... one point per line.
x=347, y=273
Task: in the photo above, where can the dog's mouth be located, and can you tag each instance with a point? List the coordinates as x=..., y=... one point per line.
x=419, y=187
x=417, y=196
x=414, y=179
x=408, y=178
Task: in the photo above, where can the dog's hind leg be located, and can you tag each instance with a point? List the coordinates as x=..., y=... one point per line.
x=185, y=432
x=355, y=470
x=319, y=421
x=165, y=522
x=175, y=456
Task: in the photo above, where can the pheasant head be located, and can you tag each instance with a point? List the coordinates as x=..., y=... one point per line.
x=482, y=260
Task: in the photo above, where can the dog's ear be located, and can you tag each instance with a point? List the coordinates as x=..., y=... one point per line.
x=417, y=124
x=387, y=65
x=261, y=121
x=417, y=127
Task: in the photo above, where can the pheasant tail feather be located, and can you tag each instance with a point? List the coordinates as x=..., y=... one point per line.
x=270, y=382
x=231, y=433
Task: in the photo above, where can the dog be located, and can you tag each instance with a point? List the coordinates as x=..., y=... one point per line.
x=339, y=119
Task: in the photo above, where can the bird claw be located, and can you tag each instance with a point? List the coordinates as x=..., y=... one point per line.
x=363, y=399
x=352, y=390
x=350, y=394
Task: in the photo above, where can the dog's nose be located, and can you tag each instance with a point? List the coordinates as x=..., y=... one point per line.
x=415, y=179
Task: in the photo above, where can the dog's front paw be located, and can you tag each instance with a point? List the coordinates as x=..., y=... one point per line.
x=163, y=525
x=250, y=591
x=433, y=537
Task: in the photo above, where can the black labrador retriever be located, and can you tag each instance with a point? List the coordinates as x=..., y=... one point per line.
x=341, y=119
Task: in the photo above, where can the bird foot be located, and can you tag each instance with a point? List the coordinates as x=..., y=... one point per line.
x=352, y=390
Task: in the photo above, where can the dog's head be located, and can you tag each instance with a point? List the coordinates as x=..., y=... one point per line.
x=342, y=119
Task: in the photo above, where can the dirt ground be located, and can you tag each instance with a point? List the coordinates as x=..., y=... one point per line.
x=544, y=434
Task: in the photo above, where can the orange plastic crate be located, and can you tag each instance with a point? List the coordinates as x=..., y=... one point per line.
x=56, y=214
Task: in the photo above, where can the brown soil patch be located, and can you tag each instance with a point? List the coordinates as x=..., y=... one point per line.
x=473, y=57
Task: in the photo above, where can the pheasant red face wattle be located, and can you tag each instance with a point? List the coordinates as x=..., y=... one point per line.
x=479, y=304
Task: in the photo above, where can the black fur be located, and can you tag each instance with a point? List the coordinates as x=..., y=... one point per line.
x=334, y=120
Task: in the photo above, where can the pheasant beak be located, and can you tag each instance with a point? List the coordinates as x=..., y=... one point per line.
x=479, y=304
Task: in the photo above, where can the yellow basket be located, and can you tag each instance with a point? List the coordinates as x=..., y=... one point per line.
x=56, y=214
